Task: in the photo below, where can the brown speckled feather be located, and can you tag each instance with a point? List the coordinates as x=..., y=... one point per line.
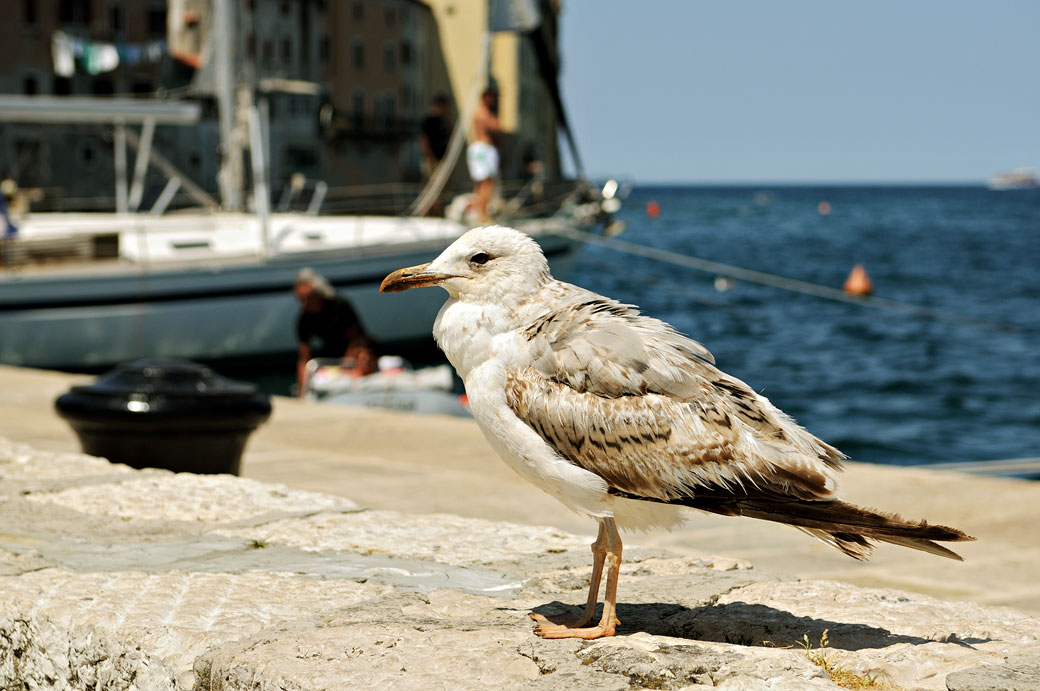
x=628, y=398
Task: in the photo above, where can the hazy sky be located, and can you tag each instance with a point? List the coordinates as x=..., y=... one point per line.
x=803, y=90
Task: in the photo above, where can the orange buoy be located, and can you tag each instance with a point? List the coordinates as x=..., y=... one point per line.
x=653, y=209
x=858, y=282
x=824, y=208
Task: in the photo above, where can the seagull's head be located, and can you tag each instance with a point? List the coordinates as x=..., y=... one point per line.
x=493, y=264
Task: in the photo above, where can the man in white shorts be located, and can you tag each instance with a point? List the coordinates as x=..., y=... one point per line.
x=482, y=156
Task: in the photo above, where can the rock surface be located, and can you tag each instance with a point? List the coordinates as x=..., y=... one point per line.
x=121, y=579
x=1019, y=673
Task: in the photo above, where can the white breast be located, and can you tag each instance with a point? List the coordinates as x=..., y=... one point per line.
x=460, y=332
x=521, y=447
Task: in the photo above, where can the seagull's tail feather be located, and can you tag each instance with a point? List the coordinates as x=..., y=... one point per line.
x=860, y=547
x=849, y=528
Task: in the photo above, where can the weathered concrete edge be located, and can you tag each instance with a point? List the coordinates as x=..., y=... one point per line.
x=93, y=656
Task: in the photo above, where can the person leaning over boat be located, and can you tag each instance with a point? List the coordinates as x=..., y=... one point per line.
x=482, y=156
x=330, y=320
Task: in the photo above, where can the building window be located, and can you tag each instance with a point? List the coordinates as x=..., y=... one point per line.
x=157, y=22
x=406, y=53
x=87, y=153
x=323, y=49
x=74, y=12
x=29, y=15
x=389, y=58
x=359, y=10
x=357, y=51
x=286, y=50
x=389, y=16
x=251, y=45
x=32, y=175
x=268, y=53
x=357, y=114
x=29, y=86
x=115, y=18
x=301, y=158
x=384, y=110
x=103, y=86
x=62, y=86
x=284, y=7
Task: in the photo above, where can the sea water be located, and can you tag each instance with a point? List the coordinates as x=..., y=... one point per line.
x=882, y=386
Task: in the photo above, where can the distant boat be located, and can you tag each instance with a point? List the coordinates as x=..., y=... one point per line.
x=1017, y=179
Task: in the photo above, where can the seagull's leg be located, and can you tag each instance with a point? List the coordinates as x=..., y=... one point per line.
x=606, y=548
x=599, y=554
x=610, y=595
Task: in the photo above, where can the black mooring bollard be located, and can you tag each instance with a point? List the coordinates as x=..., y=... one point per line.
x=171, y=414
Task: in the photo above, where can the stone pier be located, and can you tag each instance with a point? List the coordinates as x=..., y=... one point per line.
x=366, y=549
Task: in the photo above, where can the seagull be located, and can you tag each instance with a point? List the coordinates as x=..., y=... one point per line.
x=623, y=419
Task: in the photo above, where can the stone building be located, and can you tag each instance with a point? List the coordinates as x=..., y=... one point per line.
x=345, y=82
x=68, y=162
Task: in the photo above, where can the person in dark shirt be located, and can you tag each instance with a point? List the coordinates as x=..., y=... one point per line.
x=328, y=327
x=436, y=133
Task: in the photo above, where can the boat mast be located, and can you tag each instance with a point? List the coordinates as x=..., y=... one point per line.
x=231, y=177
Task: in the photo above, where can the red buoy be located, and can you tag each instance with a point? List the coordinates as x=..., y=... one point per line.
x=653, y=209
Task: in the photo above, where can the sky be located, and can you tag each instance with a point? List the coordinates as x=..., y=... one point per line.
x=718, y=91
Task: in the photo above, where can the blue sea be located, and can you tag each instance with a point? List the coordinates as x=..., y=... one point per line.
x=882, y=386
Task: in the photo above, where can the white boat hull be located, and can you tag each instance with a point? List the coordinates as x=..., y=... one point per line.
x=212, y=307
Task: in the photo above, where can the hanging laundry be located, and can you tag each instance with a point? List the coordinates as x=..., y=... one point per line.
x=95, y=57
x=155, y=51
x=63, y=55
x=9, y=228
x=100, y=57
x=129, y=53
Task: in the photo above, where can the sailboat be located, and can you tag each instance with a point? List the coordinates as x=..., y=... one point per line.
x=89, y=290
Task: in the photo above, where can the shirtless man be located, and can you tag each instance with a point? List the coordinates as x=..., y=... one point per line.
x=482, y=156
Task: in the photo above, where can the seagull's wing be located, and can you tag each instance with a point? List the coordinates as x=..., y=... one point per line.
x=632, y=401
x=628, y=398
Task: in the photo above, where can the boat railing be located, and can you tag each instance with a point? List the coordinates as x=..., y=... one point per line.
x=193, y=234
x=521, y=197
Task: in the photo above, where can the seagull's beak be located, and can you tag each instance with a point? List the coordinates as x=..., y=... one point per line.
x=411, y=277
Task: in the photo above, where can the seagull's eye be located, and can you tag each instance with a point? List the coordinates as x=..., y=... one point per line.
x=480, y=258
